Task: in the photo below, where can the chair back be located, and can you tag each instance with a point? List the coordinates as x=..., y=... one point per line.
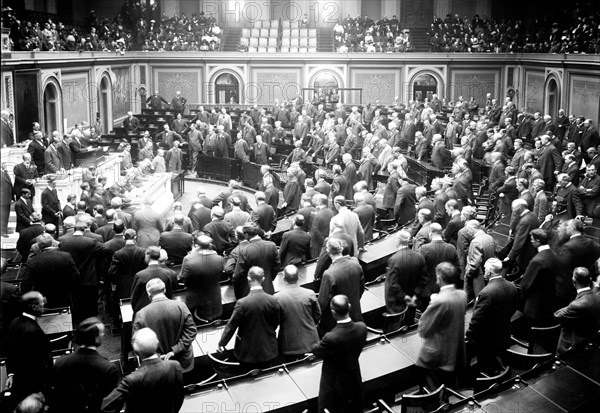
x=423, y=403
x=544, y=339
x=523, y=362
x=484, y=383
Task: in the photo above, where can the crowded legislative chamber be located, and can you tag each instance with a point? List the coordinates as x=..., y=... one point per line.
x=300, y=206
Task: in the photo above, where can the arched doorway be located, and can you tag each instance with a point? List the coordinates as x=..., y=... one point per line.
x=51, y=110
x=424, y=86
x=105, y=104
x=552, y=98
x=227, y=89
x=323, y=87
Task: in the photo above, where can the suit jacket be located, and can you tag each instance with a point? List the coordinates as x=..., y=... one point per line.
x=87, y=254
x=578, y=251
x=351, y=178
x=321, y=219
x=366, y=216
x=23, y=173
x=344, y=276
x=265, y=217
x=156, y=386
x=201, y=272
x=340, y=388
x=200, y=216
x=579, y=320
x=489, y=328
x=139, y=298
x=404, y=209
x=125, y=263
x=256, y=318
x=256, y=252
x=482, y=248
x=450, y=233
x=23, y=210
x=435, y=252
x=569, y=197
x=148, y=225
x=591, y=195
x=391, y=190
x=406, y=269
x=272, y=197
x=549, y=160
x=53, y=273
x=27, y=238
x=50, y=206
x=522, y=250
x=526, y=195
x=350, y=224
x=131, y=124
x=323, y=187
x=538, y=287
x=221, y=232
x=540, y=205
x=28, y=357
x=7, y=192
x=7, y=134
x=37, y=151
x=174, y=326
x=107, y=232
x=422, y=236
x=81, y=380
x=177, y=243
x=52, y=160
x=510, y=191
x=442, y=331
x=300, y=314
x=295, y=247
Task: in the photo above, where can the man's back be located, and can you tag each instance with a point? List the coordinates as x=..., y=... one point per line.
x=85, y=252
x=139, y=298
x=295, y=247
x=156, y=386
x=260, y=253
x=83, y=379
x=579, y=320
x=300, y=313
x=344, y=276
x=53, y=273
x=176, y=243
x=125, y=263
x=201, y=273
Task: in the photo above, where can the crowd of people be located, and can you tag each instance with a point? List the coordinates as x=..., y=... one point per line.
x=577, y=33
x=363, y=34
x=543, y=181
x=129, y=30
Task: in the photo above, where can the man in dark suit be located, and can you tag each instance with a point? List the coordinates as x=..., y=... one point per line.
x=442, y=331
x=131, y=123
x=28, y=356
x=322, y=186
x=507, y=192
x=568, y=196
x=50, y=204
x=87, y=254
x=391, y=189
x=6, y=132
x=455, y=224
x=256, y=317
x=404, y=208
x=27, y=235
x=422, y=235
x=324, y=261
x=176, y=242
x=6, y=197
x=199, y=215
x=349, y=174
x=579, y=319
x=300, y=314
x=84, y=377
x=340, y=184
x=321, y=219
x=139, y=297
x=340, y=387
x=406, y=269
x=23, y=209
x=52, y=160
x=481, y=248
x=64, y=152
x=435, y=252
x=577, y=251
x=344, y=276
x=589, y=190
x=201, y=272
x=295, y=244
x=257, y=252
x=156, y=386
x=549, y=161
x=36, y=149
x=366, y=215
x=538, y=285
x=125, y=263
x=489, y=330
x=25, y=175
x=525, y=193
x=264, y=215
x=522, y=250
x=171, y=321
x=52, y=272
x=219, y=230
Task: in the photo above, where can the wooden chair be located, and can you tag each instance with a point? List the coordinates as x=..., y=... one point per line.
x=523, y=362
x=393, y=321
x=542, y=340
x=485, y=382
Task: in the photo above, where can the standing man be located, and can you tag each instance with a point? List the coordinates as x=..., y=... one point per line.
x=178, y=103
x=349, y=222
x=442, y=331
x=50, y=204
x=6, y=198
x=155, y=102
x=295, y=244
x=300, y=314
x=84, y=377
x=139, y=297
x=25, y=175
x=522, y=250
x=131, y=123
x=489, y=330
x=126, y=262
x=37, y=149
x=156, y=386
x=481, y=250
x=171, y=321
x=6, y=133
x=264, y=215
x=340, y=387
x=344, y=276
x=256, y=317
x=406, y=269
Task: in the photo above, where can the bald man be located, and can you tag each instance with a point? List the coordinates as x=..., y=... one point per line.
x=156, y=386
x=489, y=330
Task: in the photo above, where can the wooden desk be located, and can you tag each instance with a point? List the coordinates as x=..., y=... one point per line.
x=376, y=256
x=517, y=397
x=283, y=226
x=214, y=399
x=585, y=361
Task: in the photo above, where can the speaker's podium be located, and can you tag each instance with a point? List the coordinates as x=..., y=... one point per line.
x=88, y=156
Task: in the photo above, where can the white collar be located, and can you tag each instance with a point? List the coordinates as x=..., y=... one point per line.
x=543, y=248
x=257, y=288
x=574, y=235
x=448, y=287
x=345, y=320
x=29, y=316
x=493, y=278
x=580, y=290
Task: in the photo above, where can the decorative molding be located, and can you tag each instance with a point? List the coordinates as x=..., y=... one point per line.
x=269, y=84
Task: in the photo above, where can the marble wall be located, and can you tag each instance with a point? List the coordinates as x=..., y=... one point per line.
x=377, y=85
x=534, y=91
x=76, y=98
x=269, y=84
x=123, y=91
x=474, y=83
x=187, y=80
